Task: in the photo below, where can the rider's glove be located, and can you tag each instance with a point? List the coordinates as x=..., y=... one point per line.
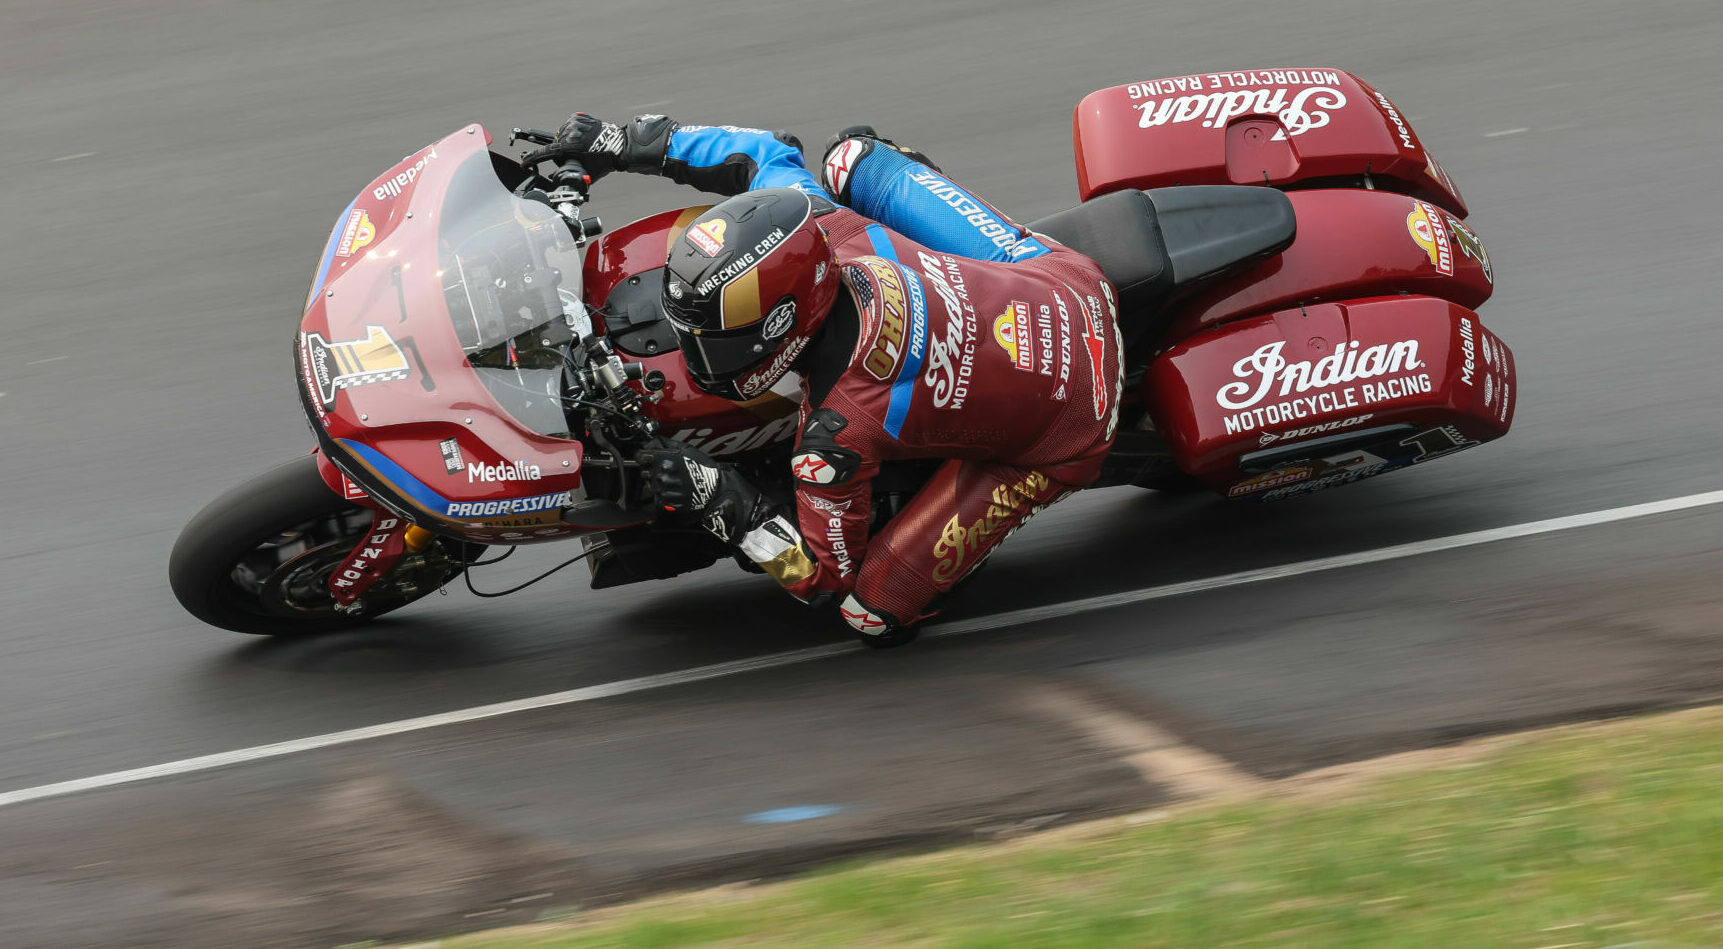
x=686, y=479
x=602, y=147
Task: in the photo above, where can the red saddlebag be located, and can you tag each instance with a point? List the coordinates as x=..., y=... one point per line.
x=1310, y=398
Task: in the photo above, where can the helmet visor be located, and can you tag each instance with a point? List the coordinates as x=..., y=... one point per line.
x=717, y=360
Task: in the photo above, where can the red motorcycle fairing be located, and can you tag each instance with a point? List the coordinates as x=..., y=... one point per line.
x=1351, y=244
x=1263, y=126
x=1314, y=397
x=385, y=373
x=626, y=265
x=342, y=485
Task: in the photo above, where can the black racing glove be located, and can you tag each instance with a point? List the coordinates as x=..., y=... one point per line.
x=684, y=478
x=602, y=147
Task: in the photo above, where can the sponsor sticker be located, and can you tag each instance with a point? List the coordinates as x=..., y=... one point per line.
x=779, y=321
x=1064, y=351
x=1468, y=350
x=391, y=189
x=1233, y=80
x=356, y=234
x=1425, y=225
x=1471, y=245
x=350, y=490
x=740, y=440
x=830, y=507
x=1011, y=330
x=768, y=375
x=1403, y=131
x=834, y=533
x=509, y=506
x=1385, y=372
x=346, y=365
x=707, y=237
x=366, y=565
x=1297, y=112
x=1094, y=344
x=1436, y=442
x=1334, y=476
x=1271, y=480
x=1269, y=438
x=1259, y=371
x=507, y=471
x=452, y=460
x=884, y=353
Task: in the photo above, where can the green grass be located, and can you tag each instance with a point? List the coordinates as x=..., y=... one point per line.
x=1604, y=835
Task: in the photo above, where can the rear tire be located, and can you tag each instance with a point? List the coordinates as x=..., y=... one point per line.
x=257, y=559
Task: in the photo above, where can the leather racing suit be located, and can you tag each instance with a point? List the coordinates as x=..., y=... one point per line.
x=962, y=336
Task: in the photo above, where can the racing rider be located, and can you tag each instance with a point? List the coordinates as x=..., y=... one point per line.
x=910, y=318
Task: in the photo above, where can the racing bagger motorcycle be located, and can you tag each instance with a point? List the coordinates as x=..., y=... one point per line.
x=479, y=362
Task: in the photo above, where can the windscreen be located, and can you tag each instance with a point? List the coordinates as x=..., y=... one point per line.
x=510, y=269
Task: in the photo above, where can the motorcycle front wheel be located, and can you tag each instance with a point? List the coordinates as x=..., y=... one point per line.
x=257, y=559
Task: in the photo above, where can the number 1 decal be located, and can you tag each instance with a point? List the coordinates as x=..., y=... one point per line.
x=1436, y=442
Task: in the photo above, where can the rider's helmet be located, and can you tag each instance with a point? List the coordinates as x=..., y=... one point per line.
x=747, y=287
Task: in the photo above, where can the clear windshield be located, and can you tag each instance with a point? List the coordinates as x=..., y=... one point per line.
x=510, y=274
x=444, y=297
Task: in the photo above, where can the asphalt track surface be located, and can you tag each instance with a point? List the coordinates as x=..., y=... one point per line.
x=170, y=171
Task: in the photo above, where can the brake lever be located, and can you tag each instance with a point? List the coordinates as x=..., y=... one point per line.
x=535, y=136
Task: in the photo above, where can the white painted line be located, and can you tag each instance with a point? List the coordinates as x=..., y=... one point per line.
x=459, y=716
x=1397, y=552
x=955, y=628
x=1505, y=132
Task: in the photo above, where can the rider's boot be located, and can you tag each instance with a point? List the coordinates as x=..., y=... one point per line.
x=876, y=628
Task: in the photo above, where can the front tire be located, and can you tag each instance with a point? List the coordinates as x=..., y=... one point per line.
x=257, y=559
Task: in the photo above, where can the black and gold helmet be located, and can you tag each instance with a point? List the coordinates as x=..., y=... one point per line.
x=747, y=286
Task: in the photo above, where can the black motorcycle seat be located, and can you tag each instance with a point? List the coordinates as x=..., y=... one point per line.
x=1151, y=243
x=1211, y=229
x=1120, y=232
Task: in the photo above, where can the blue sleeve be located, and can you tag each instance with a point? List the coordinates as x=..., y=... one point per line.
x=926, y=207
x=724, y=159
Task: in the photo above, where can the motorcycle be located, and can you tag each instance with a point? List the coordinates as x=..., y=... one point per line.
x=479, y=361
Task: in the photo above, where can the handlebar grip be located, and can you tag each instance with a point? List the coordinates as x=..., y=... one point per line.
x=572, y=174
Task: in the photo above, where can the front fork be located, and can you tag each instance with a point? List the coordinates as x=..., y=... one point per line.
x=390, y=538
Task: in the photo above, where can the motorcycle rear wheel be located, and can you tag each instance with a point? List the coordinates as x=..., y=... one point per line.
x=257, y=559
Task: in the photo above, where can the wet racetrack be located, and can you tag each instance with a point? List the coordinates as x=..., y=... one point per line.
x=171, y=170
